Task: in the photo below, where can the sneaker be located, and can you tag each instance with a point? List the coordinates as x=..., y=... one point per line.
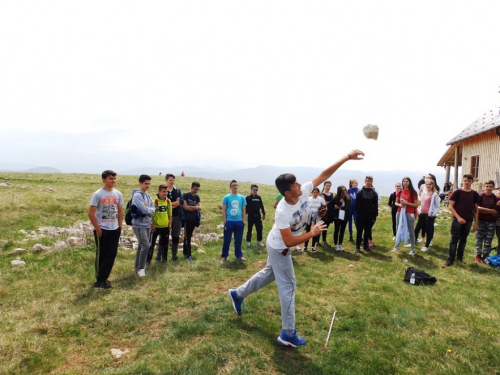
x=325, y=244
x=336, y=247
x=367, y=249
x=446, y=265
x=341, y=248
x=424, y=249
x=242, y=259
x=408, y=245
x=394, y=238
x=313, y=249
x=260, y=244
x=223, y=260
x=305, y=249
x=248, y=243
x=189, y=258
x=395, y=249
x=297, y=248
x=370, y=243
x=479, y=259
x=350, y=239
x=420, y=240
x=236, y=300
x=356, y=250
x=294, y=341
x=412, y=252
x=430, y=243
x=141, y=273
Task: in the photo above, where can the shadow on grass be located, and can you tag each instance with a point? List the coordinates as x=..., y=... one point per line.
x=286, y=359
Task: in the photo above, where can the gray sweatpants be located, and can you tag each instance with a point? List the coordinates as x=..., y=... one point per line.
x=143, y=238
x=279, y=267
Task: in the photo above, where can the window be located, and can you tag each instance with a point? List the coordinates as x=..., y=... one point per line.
x=474, y=167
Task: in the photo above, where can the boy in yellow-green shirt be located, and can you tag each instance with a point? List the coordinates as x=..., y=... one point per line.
x=161, y=225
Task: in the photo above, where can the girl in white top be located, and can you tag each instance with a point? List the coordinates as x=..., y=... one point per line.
x=313, y=204
x=429, y=208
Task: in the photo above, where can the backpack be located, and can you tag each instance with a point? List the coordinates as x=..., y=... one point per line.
x=131, y=212
x=418, y=277
x=494, y=260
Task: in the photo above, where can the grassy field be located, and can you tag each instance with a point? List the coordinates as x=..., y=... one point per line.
x=179, y=320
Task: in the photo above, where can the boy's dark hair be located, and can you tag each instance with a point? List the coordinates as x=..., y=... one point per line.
x=195, y=184
x=316, y=189
x=108, y=172
x=231, y=183
x=369, y=178
x=162, y=187
x=253, y=186
x=284, y=182
x=168, y=175
x=490, y=182
x=469, y=176
x=144, y=177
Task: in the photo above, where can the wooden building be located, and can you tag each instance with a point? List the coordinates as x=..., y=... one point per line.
x=476, y=150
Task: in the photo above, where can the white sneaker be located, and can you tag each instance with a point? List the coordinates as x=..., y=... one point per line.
x=420, y=240
x=248, y=243
x=141, y=273
x=395, y=249
x=394, y=238
x=412, y=252
x=424, y=249
x=260, y=244
x=298, y=248
x=336, y=248
x=341, y=248
x=313, y=249
x=409, y=245
x=430, y=243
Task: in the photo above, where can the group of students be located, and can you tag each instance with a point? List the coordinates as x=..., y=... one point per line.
x=152, y=218
x=342, y=209
x=291, y=219
x=467, y=207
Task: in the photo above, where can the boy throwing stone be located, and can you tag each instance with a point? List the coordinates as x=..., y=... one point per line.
x=290, y=220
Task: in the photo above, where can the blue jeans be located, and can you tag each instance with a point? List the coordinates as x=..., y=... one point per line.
x=231, y=227
x=459, y=233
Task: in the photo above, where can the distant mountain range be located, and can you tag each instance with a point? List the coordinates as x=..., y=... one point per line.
x=265, y=174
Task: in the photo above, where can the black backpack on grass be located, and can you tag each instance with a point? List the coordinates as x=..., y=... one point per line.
x=414, y=276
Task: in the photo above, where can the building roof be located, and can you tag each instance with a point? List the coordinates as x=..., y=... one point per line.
x=488, y=121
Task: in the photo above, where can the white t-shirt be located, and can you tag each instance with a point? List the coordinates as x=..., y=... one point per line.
x=290, y=216
x=314, y=205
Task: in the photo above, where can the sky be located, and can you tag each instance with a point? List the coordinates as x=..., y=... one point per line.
x=93, y=85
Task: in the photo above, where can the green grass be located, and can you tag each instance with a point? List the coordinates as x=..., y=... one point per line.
x=178, y=320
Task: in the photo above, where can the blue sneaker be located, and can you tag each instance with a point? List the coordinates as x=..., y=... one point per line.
x=294, y=341
x=237, y=301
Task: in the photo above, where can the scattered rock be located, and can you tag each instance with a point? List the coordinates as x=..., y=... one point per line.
x=6, y=184
x=76, y=241
x=117, y=353
x=220, y=226
x=201, y=251
x=18, y=262
x=60, y=245
x=38, y=248
x=351, y=265
x=18, y=251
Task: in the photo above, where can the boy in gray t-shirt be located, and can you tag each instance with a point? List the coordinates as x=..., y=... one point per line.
x=106, y=215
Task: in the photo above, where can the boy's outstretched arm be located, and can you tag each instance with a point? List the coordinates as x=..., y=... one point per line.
x=353, y=155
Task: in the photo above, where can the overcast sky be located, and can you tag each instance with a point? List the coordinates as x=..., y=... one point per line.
x=91, y=85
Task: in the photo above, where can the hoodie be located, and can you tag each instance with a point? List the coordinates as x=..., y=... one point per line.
x=145, y=206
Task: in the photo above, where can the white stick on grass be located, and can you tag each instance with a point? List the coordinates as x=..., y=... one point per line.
x=331, y=325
